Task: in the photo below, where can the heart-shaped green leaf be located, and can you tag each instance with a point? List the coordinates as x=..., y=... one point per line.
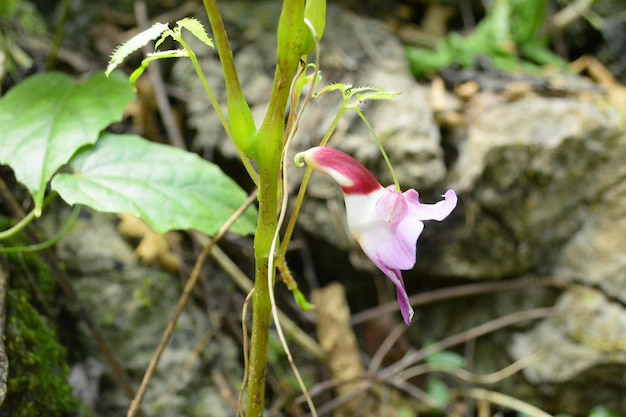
x=45, y=119
x=166, y=187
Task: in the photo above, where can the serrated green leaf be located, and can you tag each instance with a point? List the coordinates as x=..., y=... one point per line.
x=47, y=118
x=168, y=188
x=195, y=27
x=134, y=43
x=333, y=87
x=376, y=94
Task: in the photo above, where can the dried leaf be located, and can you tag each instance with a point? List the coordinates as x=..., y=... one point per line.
x=154, y=248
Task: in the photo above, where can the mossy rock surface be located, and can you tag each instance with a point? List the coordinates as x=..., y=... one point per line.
x=38, y=371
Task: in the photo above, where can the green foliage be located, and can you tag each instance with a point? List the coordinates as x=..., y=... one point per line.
x=37, y=383
x=602, y=411
x=47, y=118
x=136, y=42
x=437, y=389
x=17, y=19
x=161, y=31
x=192, y=25
x=315, y=13
x=509, y=36
x=446, y=359
x=598, y=411
x=178, y=53
x=359, y=94
x=166, y=187
x=438, y=392
x=8, y=7
x=405, y=411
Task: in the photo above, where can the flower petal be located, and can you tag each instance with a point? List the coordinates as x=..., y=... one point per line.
x=407, y=232
x=388, y=247
x=437, y=211
x=361, y=212
x=353, y=177
x=391, y=206
x=406, y=310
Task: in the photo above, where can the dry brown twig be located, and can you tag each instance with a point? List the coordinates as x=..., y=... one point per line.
x=505, y=401
x=460, y=291
x=465, y=375
x=491, y=326
x=246, y=354
x=393, y=375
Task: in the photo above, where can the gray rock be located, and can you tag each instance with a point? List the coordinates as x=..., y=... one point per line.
x=95, y=245
x=85, y=381
x=132, y=304
x=583, y=353
x=542, y=184
x=530, y=173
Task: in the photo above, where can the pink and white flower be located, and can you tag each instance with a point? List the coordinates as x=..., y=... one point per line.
x=386, y=223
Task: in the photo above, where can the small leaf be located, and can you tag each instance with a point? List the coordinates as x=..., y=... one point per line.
x=154, y=248
x=438, y=392
x=446, y=359
x=315, y=11
x=47, y=118
x=301, y=300
x=194, y=26
x=168, y=188
x=333, y=87
x=138, y=41
x=405, y=411
x=603, y=411
x=376, y=94
x=176, y=53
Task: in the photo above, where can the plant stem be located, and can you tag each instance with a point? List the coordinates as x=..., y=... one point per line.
x=271, y=136
x=240, y=117
x=380, y=146
x=261, y=312
x=270, y=142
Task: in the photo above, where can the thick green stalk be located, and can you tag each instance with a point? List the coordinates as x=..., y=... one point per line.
x=261, y=306
x=270, y=141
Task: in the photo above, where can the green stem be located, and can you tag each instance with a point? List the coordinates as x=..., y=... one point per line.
x=262, y=310
x=380, y=146
x=26, y=220
x=71, y=222
x=240, y=117
x=19, y=226
x=218, y=110
x=270, y=142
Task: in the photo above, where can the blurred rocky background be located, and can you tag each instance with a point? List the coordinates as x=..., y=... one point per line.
x=517, y=106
